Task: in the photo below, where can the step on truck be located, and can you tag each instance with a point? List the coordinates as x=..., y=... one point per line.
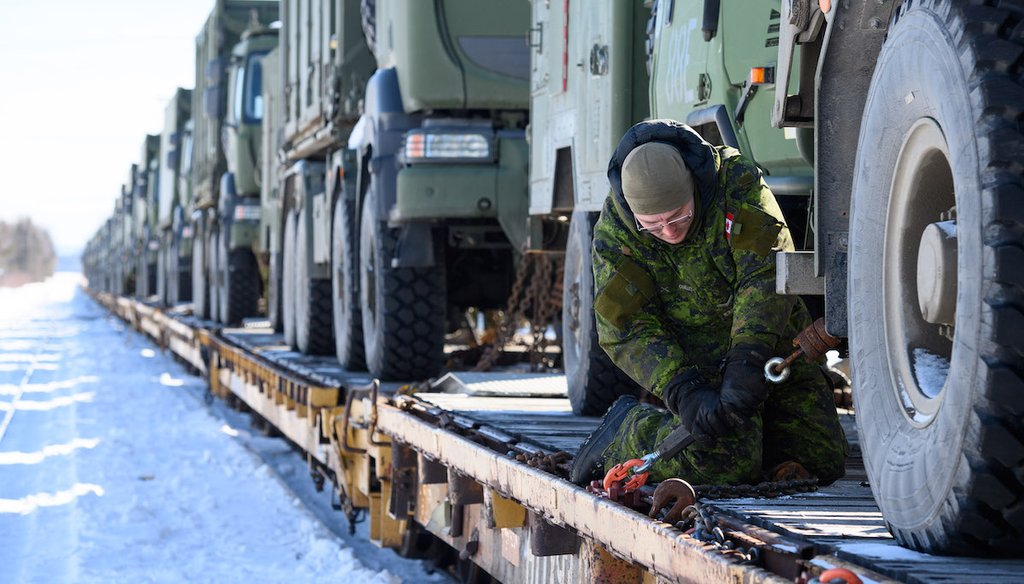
x=226, y=124
x=887, y=131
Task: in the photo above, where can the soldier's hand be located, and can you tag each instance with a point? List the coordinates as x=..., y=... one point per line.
x=698, y=406
x=744, y=387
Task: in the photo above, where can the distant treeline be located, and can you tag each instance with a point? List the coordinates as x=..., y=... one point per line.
x=26, y=253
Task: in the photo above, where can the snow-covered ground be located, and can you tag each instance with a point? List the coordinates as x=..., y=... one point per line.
x=112, y=469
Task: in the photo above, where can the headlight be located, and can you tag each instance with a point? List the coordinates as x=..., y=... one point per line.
x=247, y=213
x=445, y=147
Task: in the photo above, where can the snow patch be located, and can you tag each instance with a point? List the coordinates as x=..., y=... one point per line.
x=30, y=503
x=46, y=452
x=931, y=371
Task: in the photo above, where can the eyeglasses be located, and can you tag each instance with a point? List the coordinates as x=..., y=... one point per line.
x=655, y=229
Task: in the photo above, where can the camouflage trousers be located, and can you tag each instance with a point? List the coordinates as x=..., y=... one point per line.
x=797, y=422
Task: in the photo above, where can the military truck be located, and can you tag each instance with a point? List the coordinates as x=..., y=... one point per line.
x=145, y=211
x=400, y=218
x=312, y=96
x=887, y=129
x=225, y=205
x=125, y=272
x=173, y=276
x=588, y=84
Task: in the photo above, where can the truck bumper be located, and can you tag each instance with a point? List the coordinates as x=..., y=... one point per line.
x=463, y=190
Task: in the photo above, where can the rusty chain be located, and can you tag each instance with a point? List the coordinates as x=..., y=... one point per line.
x=538, y=296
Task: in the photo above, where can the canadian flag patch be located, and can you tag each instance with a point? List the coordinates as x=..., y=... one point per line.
x=728, y=226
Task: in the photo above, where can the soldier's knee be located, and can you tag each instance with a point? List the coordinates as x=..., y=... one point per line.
x=830, y=466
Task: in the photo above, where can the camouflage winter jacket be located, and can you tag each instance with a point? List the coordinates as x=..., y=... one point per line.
x=663, y=308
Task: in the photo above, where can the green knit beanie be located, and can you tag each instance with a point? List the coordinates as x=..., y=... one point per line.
x=655, y=180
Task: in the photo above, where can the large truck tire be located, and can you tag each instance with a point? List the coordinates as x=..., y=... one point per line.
x=150, y=278
x=142, y=269
x=348, y=319
x=200, y=299
x=288, y=280
x=182, y=273
x=238, y=290
x=274, y=283
x=594, y=382
x=403, y=309
x=940, y=420
x=161, y=275
x=313, y=329
x=171, y=276
x=215, y=275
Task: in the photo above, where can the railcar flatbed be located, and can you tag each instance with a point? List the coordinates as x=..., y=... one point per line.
x=475, y=461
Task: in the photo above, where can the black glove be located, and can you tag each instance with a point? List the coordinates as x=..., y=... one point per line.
x=744, y=387
x=698, y=406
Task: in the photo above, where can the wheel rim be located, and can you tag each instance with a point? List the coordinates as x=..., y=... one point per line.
x=922, y=194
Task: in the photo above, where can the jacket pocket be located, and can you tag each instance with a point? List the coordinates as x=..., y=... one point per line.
x=626, y=293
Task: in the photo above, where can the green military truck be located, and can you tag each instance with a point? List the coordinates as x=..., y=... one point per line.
x=174, y=283
x=887, y=130
x=125, y=273
x=312, y=99
x=441, y=159
x=401, y=201
x=226, y=123
x=912, y=107
x=588, y=84
x=145, y=210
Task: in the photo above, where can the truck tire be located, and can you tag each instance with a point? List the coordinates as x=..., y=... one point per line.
x=348, y=319
x=274, y=283
x=215, y=277
x=313, y=329
x=939, y=420
x=151, y=271
x=403, y=309
x=288, y=280
x=171, y=277
x=200, y=300
x=183, y=263
x=594, y=382
x=238, y=290
x=161, y=275
x=142, y=269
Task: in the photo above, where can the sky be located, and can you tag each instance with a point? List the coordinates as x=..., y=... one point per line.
x=81, y=84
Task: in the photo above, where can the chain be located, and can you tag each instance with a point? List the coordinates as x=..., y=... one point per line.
x=538, y=296
x=701, y=523
x=766, y=489
x=550, y=463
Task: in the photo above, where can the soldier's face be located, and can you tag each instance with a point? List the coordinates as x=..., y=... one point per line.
x=671, y=226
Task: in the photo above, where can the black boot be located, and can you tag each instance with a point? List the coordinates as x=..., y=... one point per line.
x=589, y=461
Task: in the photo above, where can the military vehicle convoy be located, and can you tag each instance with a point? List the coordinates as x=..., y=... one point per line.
x=399, y=184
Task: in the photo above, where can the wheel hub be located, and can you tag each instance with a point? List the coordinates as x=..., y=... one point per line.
x=919, y=272
x=937, y=273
